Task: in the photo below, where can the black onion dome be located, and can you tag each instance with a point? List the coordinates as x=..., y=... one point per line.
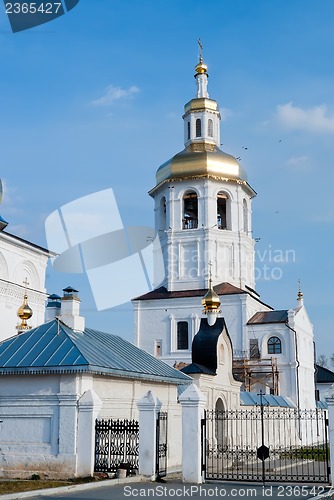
x=204, y=347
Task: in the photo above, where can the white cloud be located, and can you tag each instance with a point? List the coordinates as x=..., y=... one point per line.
x=316, y=119
x=298, y=162
x=113, y=94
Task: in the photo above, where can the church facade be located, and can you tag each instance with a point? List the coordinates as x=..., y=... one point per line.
x=203, y=216
x=22, y=274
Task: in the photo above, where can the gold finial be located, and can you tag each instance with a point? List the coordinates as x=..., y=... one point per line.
x=25, y=312
x=210, y=300
x=300, y=293
x=200, y=68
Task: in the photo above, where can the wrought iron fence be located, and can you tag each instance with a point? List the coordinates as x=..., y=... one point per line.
x=266, y=444
x=116, y=443
x=161, y=444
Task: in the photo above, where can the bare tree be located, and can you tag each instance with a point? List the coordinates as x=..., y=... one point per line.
x=332, y=359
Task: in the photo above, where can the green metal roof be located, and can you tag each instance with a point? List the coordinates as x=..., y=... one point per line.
x=254, y=399
x=55, y=348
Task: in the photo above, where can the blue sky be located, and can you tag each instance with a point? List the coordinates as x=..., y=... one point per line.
x=94, y=100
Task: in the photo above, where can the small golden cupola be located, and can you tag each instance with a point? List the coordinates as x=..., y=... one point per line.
x=202, y=157
x=300, y=296
x=211, y=303
x=201, y=67
x=24, y=312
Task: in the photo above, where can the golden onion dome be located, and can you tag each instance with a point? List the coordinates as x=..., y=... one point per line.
x=201, y=159
x=211, y=300
x=201, y=68
x=25, y=312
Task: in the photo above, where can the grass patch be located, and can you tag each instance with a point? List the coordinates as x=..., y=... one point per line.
x=16, y=486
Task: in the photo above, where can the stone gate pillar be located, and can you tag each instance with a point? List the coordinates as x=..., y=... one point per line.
x=193, y=404
x=89, y=406
x=148, y=407
x=330, y=403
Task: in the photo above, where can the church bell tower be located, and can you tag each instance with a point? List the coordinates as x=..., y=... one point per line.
x=203, y=204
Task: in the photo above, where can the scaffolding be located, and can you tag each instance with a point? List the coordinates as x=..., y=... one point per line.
x=258, y=371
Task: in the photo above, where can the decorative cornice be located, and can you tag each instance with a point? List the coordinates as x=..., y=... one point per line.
x=205, y=176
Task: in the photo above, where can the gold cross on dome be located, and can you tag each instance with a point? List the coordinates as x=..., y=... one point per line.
x=210, y=269
x=200, y=48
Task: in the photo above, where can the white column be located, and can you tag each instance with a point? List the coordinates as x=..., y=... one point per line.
x=330, y=403
x=193, y=403
x=89, y=406
x=148, y=408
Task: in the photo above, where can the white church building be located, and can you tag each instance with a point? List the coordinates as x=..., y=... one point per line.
x=203, y=216
x=22, y=271
x=204, y=318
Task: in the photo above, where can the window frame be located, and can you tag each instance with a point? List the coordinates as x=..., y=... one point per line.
x=181, y=341
x=273, y=343
x=210, y=127
x=198, y=128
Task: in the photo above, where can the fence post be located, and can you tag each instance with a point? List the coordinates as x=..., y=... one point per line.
x=193, y=403
x=89, y=406
x=330, y=404
x=148, y=408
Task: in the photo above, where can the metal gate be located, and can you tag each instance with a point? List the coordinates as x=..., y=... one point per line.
x=116, y=442
x=266, y=444
x=161, y=445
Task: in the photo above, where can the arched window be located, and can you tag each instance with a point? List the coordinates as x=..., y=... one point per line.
x=210, y=128
x=222, y=211
x=198, y=128
x=245, y=212
x=274, y=345
x=182, y=337
x=190, y=211
x=188, y=130
x=162, y=214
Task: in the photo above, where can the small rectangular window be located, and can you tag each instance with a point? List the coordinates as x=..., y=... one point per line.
x=210, y=128
x=182, y=340
x=198, y=128
x=157, y=348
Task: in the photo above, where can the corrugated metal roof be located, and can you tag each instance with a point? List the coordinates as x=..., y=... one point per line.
x=254, y=399
x=221, y=289
x=53, y=347
x=263, y=317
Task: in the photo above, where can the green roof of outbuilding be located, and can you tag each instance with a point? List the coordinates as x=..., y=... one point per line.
x=55, y=348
